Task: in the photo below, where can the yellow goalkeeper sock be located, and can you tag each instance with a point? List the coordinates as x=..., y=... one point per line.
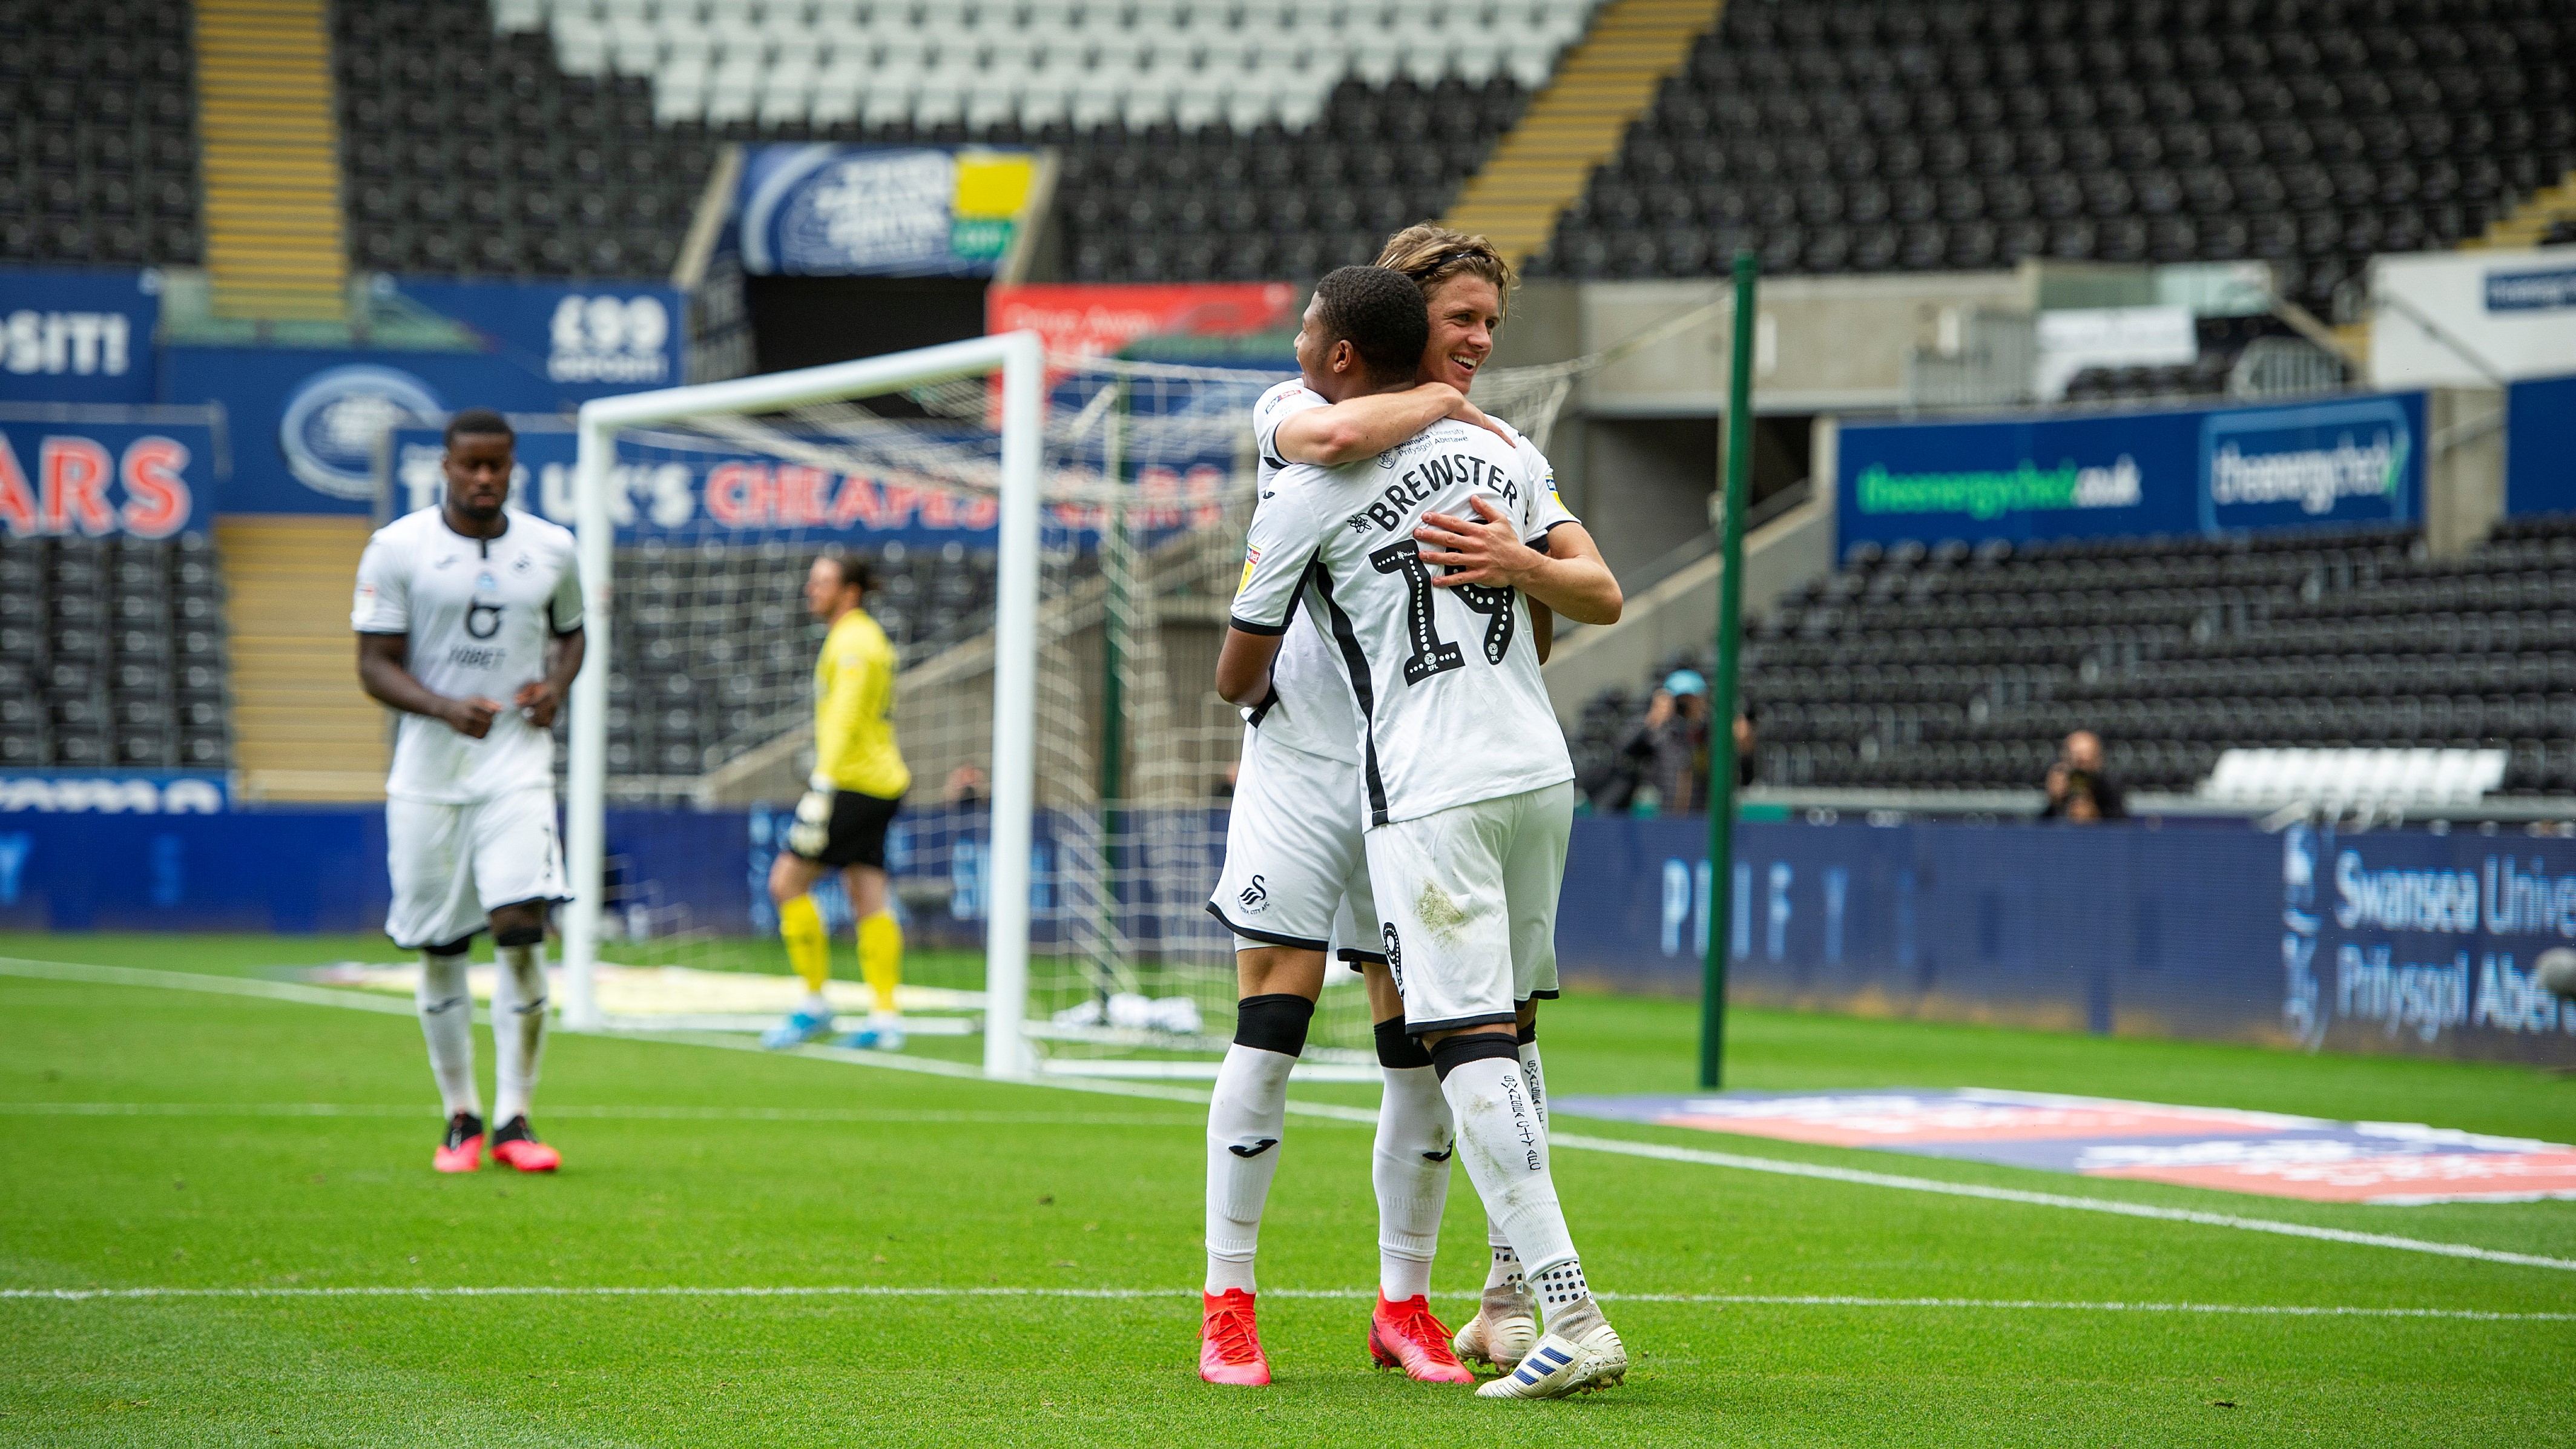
x=881, y=958
x=809, y=944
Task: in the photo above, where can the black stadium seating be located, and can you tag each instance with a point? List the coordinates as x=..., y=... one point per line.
x=1881, y=135
x=689, y=677
x=1959, y=668
x=471, y=152
x=111, y=653
x=98, y=144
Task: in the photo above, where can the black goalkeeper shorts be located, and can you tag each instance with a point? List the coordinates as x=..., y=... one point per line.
x=842, y=827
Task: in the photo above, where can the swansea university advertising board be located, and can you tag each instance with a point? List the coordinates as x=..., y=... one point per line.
x=2390, y=941
x=2337, y=460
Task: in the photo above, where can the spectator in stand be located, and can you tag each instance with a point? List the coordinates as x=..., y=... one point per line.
x=2079, y=789
x=1668, y=749
x=966, y=786
x=1745, y=743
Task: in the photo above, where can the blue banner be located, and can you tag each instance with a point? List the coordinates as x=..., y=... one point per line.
x=77, y=335
x=307, y=424
x=113, y=792
x=147, y=480
x=588, y=340
x=659, y=491
x=887, y=211
x=2393, y=941
x=2339, y=460
x=2540, y=446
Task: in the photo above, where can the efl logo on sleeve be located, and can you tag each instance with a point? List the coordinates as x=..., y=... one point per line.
x=1251, y=559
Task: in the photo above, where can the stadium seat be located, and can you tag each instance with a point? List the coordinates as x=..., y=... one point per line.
x=2160, y=134
x=2350, y=648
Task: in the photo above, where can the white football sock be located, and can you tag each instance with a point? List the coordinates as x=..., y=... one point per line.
x=1532, y=1073
x=1506, y=1269
x=447, y=1019
x=817, y=1005
x=1411, y=1173
x=1505, y=1149
x=1249, y=1111
x=518, y=1030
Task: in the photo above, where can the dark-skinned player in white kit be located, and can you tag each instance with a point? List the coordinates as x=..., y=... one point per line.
x=1423, y=561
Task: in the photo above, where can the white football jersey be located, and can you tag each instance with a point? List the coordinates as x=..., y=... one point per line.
x=478, y=613
x=1450, y=709
x=1310, y=704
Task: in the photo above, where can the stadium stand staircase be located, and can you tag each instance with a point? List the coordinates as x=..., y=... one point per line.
x=2546, y=217
x=302, y=728
x=1574, y=125
x=274, y=236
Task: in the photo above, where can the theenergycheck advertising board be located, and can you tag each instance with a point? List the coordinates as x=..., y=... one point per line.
x=2338, y=460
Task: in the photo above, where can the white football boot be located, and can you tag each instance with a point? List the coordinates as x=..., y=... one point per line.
x=1559, y=1366
x=1505, y=1325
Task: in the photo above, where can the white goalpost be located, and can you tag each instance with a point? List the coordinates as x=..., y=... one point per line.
x=1021, y=361
x=1055, y=542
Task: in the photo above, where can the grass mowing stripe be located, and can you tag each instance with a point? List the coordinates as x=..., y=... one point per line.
x=830, y=1290
x=1658, y=1150
x=317, y=996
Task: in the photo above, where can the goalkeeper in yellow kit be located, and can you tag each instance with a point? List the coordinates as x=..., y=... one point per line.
x=858, y=783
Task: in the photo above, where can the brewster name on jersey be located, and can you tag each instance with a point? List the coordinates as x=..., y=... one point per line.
x=1341, y=539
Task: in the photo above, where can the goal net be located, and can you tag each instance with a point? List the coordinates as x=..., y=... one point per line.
x=1056, y=542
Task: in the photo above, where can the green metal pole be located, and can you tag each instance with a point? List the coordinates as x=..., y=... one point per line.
x=1721, y=687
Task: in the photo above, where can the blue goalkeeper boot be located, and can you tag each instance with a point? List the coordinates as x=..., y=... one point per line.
x=799, y=1028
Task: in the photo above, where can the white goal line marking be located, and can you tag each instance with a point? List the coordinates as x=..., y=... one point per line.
x=1747, y=1300
x=320, y=996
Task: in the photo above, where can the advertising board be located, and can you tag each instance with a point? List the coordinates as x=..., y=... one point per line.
x=60, y=477
x=77, y=334
x=2333, y=461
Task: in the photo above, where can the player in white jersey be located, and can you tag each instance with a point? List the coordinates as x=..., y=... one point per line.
x=1423, y=560
x=460, y=608
x=1289, y=865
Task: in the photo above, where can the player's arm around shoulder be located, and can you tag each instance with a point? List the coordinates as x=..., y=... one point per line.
x=1363, y=427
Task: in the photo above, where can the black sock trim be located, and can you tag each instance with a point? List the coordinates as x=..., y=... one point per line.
x=1273, y=1023
x=1396, y=1048
x=456, y=947
x=1526, y=1034
x=1454, y=1052
x=518, y=936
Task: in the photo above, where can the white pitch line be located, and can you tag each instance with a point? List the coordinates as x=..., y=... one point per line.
x=615, y=1114
x=2049, y=1199
x=1746, y=1300
x=317, y=996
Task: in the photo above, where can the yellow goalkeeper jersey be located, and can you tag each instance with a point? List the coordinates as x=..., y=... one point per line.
x=854, y=745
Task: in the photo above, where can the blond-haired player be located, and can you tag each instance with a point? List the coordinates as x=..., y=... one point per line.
x=1287, y=863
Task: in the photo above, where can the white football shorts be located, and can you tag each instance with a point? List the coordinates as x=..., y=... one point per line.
x=1468, y=900
x=453, y=864
x=1294, y=865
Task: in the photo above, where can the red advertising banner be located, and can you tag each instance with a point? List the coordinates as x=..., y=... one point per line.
x=1089, y=319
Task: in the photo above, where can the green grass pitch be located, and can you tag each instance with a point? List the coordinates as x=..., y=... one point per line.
x=695, y=1168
